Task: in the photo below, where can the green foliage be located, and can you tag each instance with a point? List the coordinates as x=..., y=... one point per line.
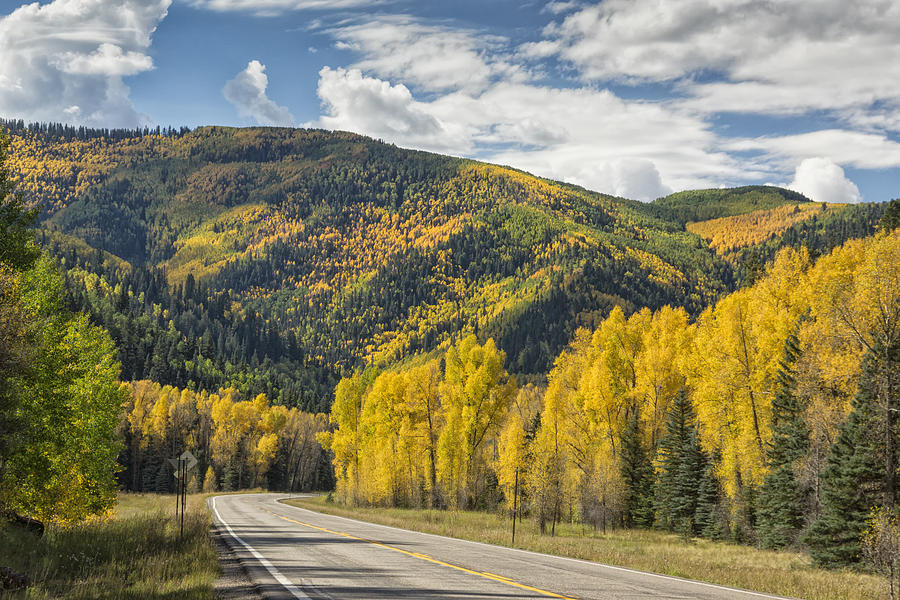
x=683, y=472
x=853, y=481
x=702, y=205
x=16, y=248
x=890, y=220
x=783, y=500
x=637, y=474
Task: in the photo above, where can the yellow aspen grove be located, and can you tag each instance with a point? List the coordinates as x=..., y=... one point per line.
x=734, y=367
x=512, y=445
x=235, y=443
x=476, y=394
x=660, y=368
x=344, y=441
x=383, y=461
x=424, y=401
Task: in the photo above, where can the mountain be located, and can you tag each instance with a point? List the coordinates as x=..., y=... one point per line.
x=275, y=260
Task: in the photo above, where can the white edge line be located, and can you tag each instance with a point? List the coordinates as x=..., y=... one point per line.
x=578, y=560
x=293, y=589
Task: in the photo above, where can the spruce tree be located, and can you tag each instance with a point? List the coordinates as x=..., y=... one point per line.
x=853, y=480
x=706, y=516
x=637, y=473
x=671, y=482
x=691, y=466
x=230, y=478
x=782, y=500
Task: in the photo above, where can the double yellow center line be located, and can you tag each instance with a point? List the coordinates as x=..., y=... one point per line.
x=425, y=557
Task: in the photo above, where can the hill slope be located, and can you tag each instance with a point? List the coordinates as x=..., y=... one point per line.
x=274, y=259
x=702, y=205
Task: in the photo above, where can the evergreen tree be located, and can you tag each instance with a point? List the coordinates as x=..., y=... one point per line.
x=162, y=483
x=783, y=502
x=637, y=473
x=680, y=423
x=689, y=474
x=230, y=480
x=890, y=220
x=707, y=519
x=853, y=480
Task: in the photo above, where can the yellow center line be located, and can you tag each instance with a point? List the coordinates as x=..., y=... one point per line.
x=491, y=576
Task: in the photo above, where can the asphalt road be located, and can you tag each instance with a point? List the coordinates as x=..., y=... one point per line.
x=292, y=553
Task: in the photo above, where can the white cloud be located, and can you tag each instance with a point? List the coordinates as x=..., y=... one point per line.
x=268, y=8
x=588, y=137
x=247, y=92
x=559, y=7
x=374, y=107
x=785, y=57
x=108, y=59
x=821, y=180
x=430, y=57
x=858, y=149
x=65, y=60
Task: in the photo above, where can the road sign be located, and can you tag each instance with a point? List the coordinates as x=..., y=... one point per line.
x=189, y=459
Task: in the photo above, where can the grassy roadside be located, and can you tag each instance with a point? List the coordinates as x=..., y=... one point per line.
x=784, y=573
x=135, y=554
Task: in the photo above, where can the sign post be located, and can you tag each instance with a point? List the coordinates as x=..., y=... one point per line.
x=515, y=507
x=182, y=465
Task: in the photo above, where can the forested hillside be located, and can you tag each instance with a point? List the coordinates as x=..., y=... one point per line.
x=275, y=260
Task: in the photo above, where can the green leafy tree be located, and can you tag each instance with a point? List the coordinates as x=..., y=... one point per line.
x=16, y=246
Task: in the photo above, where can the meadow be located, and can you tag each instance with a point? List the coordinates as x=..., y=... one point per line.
x=135, y=552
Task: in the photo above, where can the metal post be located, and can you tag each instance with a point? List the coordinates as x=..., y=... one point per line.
x=183, y=465
x=515, y=506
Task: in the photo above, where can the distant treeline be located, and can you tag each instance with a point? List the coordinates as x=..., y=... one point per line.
x=237, y=443
x=64, y=132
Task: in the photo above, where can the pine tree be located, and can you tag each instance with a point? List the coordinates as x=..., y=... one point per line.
x=852, y=482
x=707, y=519
x=637, y=473
x=671, y=483
x=782, y=500
x=230, y=479
x=691, y=466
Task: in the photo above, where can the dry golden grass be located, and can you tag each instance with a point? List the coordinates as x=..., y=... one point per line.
x=784, y=573
x=134, y=554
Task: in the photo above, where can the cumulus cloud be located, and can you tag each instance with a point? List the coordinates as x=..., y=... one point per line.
x=821, y=180
x=247, y=92
x=858, y=149
x=770, y=57
x=65, y=60
x=589, y=137
x=374, y=107
x=428, y=56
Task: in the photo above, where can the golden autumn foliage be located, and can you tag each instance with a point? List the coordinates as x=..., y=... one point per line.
x=237, y=442
x=469, y=434
x=727, y=234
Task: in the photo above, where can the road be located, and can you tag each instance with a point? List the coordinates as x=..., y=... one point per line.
x=292, y=553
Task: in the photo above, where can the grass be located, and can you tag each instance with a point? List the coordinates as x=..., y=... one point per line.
x=136, y=553
x=783, y=573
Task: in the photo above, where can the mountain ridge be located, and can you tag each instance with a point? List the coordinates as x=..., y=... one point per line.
x=349, y=251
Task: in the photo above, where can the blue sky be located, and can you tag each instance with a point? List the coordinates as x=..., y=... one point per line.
x=631, y=97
